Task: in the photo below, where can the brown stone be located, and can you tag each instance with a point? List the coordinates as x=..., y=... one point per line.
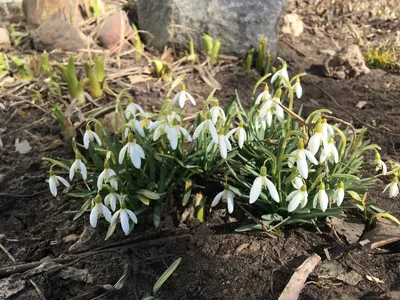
x=109, y=33
x=39, y=11
x=59, y=34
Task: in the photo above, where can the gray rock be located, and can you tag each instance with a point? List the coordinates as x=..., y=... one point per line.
x=5, y=41
x=239, y=24
x=109, y=33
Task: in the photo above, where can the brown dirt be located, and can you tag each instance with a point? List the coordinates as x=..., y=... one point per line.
x=217, y=263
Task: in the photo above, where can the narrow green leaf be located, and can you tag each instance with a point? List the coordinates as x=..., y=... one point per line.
x=157, y=215
x=149, y=194
x=188, y=191
x=110, y=231
x=57, y=163
x=83, y=208
x=165, y=276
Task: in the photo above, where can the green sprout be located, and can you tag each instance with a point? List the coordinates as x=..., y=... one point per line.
x=138, y=42
x=16, y=36
x=76, y=88
x=249, y=60
x=3, y=65
x=162, y=280
x=208, y=44
x=97, y=78
x=23, y=70
x=211, y=49
x=192, y=55
x=67, y=128
x=383, y=57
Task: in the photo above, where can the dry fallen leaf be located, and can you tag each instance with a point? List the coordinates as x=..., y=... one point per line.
x=374, y=279
x=22, y=147
x=361, y=104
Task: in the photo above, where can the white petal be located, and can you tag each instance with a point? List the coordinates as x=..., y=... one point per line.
x=86, y=140
x=96, y=137
x=106, y=213
x=221, y=113
x=114, y=218
x=53, y=186
x=231, y=202
x=384, y=168
x=182, y=98
x=83, y=170
x=100, y=179
x=259, y=97
x=63, y=181
x=314, y=143
x=135, y=157
x=231, y=132
x=185, y=134
x=386, y=187
x=297, y=182
x=340, y=197
x=335, y=154
x=198, y=130
x=269, y=118
x=222, y=147
x=213, y=132
x=275, y=76
x=113, y=201
x=140, y=150
x=228, y=144
x=191, y=99
x=72, y=170
x=139, y=127
x=214, y=114
x=315, y=202
x=139, y=108
x=291, y=195
x=172, y=137
x=279, y=113
x=305, y=200
x=210, y=146
x=124, y=221
x=302, y=167
x=295, y=202
x=242, y=137
x=394, y=190
x=132, y=216
x=272, y=190
x=157, y=133
x=323, y=156
x=93, y=216
x=217, y=199
x=323, y=200
x=176, y=97
x=255, y=190
x=122, y=153
x=311, y=157
x=154, y=125
x=292, y=158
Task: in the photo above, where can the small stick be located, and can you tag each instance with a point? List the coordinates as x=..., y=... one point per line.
x=296, y=283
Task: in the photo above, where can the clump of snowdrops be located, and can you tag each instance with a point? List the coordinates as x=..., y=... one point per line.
x=289, y=168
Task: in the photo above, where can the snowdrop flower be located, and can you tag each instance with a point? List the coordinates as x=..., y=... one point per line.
x=327, y=130
x=217, y=112
x=54, y=182
x=132, y=109
x=137, y=124
x=173, y=132
x=297, y=197
x=321, y=197
x=111, y=199
x=240, y=133
x=159, y=128
x=297, y=182
x=89, y=136
x=265, y=95
x=270, y=106
x=297, y=88
x=106, y=175
x=338, y=196
x=260, y=182
x=206, y=125
x=223, y=143
x=182, y=96
x=124, y=215
x=133, y=150
x=78, y=166
x=393, y=187
x=299, y=157
x=226, y=195
x=330, y=151
x=379, y=163
x=99, y=209
x=281, y=73
x=316, y=140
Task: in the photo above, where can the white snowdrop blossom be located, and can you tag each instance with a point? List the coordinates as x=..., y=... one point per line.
x=321, y=197
x=223, y=143
x=182, y=96
x=316, y=140
x=239, y=133
x=161, y=127
x=54, y=182
x=265, y=95
x=281, y=73
x=207, y=125
x=217, y=112
x=174, y=131
x=297, y=88
x=327, y=130
x=89, y=136
x=299, y=157
x=393, y=187
x=226, y=195
x=338, y=195
x=330, y=152
x=133, y=150
x=112, y=198
x=297, y=197
x=106, y=175
x=99, y=209
x=78, y=166
x=124, y=215
x=297, y=182
x=132, y=109
x=136, y=124
x=260, y=182
x=272, y=106
x=379, y=163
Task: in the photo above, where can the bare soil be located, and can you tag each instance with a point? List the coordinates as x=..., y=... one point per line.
x=217, y=263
